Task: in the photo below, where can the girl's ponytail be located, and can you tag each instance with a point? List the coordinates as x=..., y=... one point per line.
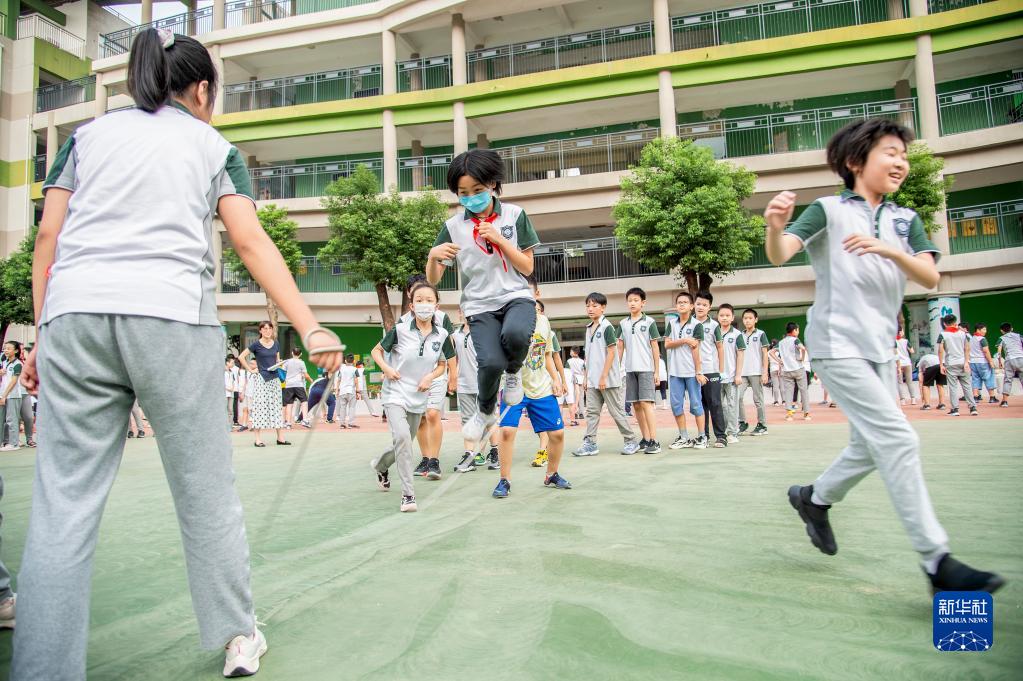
x=162, y=64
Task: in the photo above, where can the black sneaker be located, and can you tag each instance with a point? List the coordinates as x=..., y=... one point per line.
x=131, y=434
x=383, y=482
x=816, y=518
x=974, y=412
x=926, y=407
x=955, y=576
x=494, y=461
x=433, y=470
x=953, y=412
x=421, y=468
x=743, y=427
x=408, y=504
x=761, y=429
x=720, y=443
x=467, y=463
x=652, y=447
x=992, y=400
x=940, y=407
x=140, y=434
x=641, y=447
x=1004, y=403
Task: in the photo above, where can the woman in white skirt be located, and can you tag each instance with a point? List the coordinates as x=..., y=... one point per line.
x=266, y=407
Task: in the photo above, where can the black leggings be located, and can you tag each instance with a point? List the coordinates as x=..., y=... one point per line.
x=711, y=394
x=501, y=339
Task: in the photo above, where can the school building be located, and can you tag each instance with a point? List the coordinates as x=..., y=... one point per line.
x=568, y=93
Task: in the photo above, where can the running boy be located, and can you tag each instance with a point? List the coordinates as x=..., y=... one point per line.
x=468, y=402
x=982, y=364
x=684, y=336
x=954, y=355
x=417, y=352
x=638, y=343
x=754, y=372
x=603, y=379
x=734, y=344
x=541, y=383
x=1010, y=352
x=493, y=243
x=790, y=355
x=711, y=358
x=862, y=249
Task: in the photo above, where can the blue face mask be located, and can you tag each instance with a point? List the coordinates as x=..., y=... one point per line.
x=477, y=203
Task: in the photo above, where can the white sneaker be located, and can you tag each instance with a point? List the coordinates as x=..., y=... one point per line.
x=512, y=388
x=476, y=427
x=732, y=439
x=243, y=653
x=9, y=448
x=7, y=612
x=408, y=504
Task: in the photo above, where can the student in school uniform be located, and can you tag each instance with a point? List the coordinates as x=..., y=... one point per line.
x=1010, y=354
x=411, y=356
x=129, y=205
x=790, y=355
x=603, y=379
x=954, y=355
x=711, y=358
x=466, y=387
x=229, y=389
x=638, y=343
x=982, y=364
x=683, y=340
x=930, y=374
x=295, y=395
x=755, y=372
x=904, y=368
x=362, y=386
x=347, y=393
x=734, y=345
x=863, y=249
x=774, y=365
x=11, y=394
x=577, y=367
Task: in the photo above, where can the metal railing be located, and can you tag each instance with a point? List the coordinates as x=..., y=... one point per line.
x=307, y=179
x=575, y=156
x=38, y=26
x=420, y=173
x=585, y=260
x=986, y=227
x=111, y=10
x=39, y=168
x=346, y=83
x=188, y=23
x=547, y=54
x=776, y=133
x=936, y=6
x=424, y=74
x=317, y=277
x=986, y=106
x=68, y=93
x=3, y=23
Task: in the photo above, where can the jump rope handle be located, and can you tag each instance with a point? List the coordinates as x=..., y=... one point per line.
x=337, y=347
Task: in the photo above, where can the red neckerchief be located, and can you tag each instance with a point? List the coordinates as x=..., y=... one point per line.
x=476, y=237
x=978, y=334
x=952, y=329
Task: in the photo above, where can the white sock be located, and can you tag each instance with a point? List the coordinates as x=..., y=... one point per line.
x=814, y=499
x=683, y=434
x=930, y=564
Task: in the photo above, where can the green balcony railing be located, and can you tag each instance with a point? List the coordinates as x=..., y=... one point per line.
x=345, y=83
x=68, y=93
x=986, y=227
x=39, y=168
x=424, y=74
x=307, y=179
x=936, y=6
x=423, y=172
x=585, y=260
x=986, y=106
x=316, y=277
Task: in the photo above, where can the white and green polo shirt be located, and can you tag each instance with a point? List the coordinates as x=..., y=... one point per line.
x=977, y=345
x=1010, y=345
x=733, y=341
x=468, y=366
x=138, y=236
x=637, y=334
x=599, y=336
x=709, y=363
x=955, y=342
x=753, y=360
x=413, y=356
x=788, y=350
x=681, y=363
x=489, y=281
x=857, y=298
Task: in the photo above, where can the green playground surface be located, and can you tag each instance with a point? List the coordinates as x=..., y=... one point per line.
x=682, y=565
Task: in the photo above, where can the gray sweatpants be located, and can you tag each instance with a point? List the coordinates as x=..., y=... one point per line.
x=91, y=368
x=12, y=421
x=795, y=378
x=613, y=398
x=756, y=384
x=959, y=378
x=880, y=438
x=1013, y=369
x=135, y=416
x=730, y=406
x=5, y=576
x=346, y=408
x=404, y=425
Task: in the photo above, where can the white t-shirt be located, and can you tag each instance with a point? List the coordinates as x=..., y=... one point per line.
x=578, y=368
x=927, y=361
x=638, y=336
x=733, y=342
x=788, y=348
x=600, y=335
x=681, y=361
x=228, y=383
x=902, y=352
x=753, y=360
x=709, y=360
x=346, y=381
x=294, y=376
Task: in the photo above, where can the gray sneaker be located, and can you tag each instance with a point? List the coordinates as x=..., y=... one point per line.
x=700, y=442
x=652, y=447
x=587, y=449
x=630, y=447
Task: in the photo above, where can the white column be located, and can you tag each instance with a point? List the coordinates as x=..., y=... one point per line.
x=662, y=27
x=665, y=91
x=147, y=12
x=388, y=63
x=219, y=14
x=457, y=50
x=461, y=129
x=390, y=151
x=218, y=63
x=52, y=141
x=926, y=96
x=101, y=96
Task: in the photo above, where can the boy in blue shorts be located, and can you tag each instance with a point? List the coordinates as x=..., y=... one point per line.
x=541, y=385
x=682, y=342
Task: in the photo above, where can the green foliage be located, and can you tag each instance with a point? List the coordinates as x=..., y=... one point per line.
x=924, y=189
x=282, y=231
x=16, y=284
x=379, y=238
x=681, y=210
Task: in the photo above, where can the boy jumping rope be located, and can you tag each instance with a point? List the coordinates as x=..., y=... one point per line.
x=862, y=249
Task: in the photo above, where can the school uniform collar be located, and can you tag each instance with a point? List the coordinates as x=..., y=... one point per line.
x=850, y=195
x=175, y=104
x=414, y=327
x=469, y=215
x=598, y=322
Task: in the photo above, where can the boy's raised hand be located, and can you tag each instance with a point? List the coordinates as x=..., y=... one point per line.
x=444, y=252
x=779, y=210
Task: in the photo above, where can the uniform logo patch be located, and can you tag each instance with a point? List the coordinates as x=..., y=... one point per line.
x=507, y=231
x=901, y=226
x=599, y=335
x=436, y=346
x=642, y=329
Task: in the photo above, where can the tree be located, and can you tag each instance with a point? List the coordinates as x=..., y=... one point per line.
x=379, y=238
x=16, y=285
x=924, y=188
x=284, y=233
x=681, y=210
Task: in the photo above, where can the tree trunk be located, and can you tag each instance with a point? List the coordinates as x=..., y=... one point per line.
x=705, y=281
x=692, y=281
x=386, y=313
x=4, y=325
x=271, y=312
